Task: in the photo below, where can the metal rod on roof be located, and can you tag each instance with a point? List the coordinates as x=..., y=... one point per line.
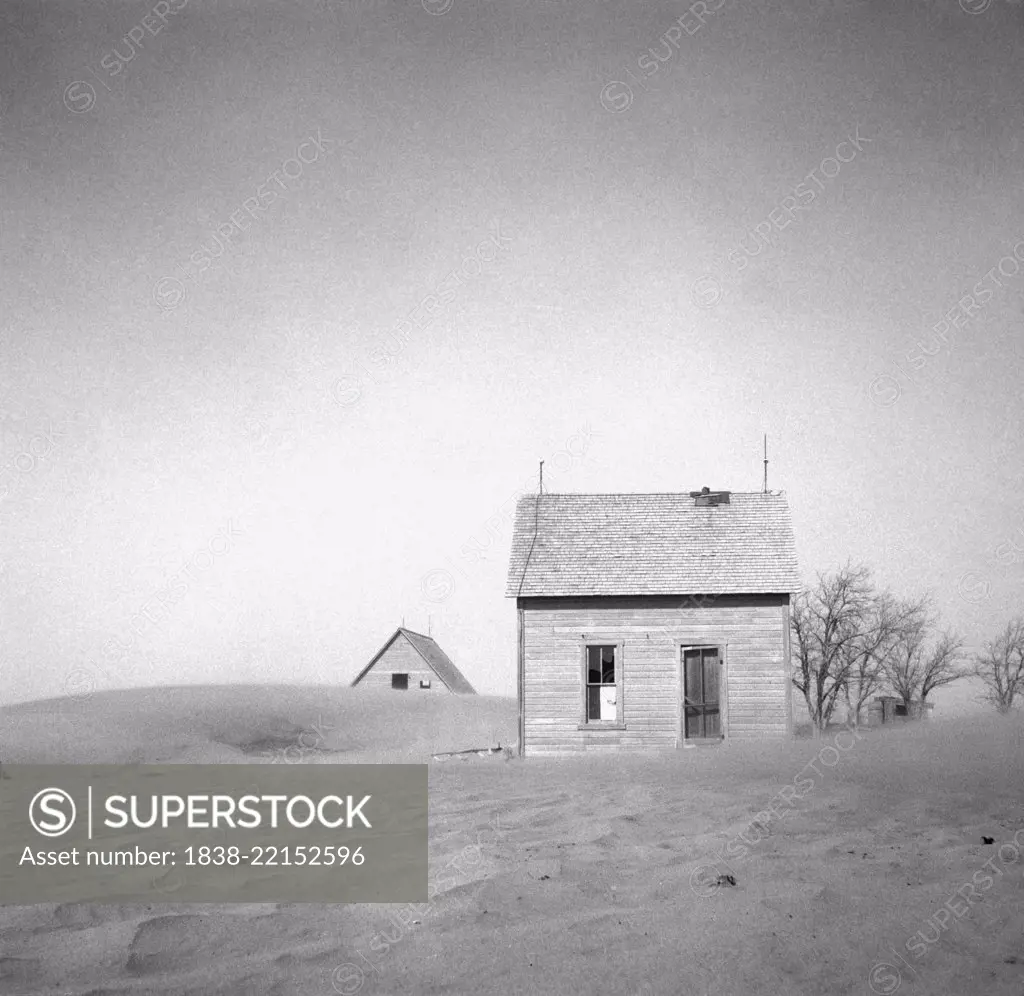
x=766, y=463
x=542, y=477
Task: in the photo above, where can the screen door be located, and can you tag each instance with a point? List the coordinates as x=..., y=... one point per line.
x=701, y=711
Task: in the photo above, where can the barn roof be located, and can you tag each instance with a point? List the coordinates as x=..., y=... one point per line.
x=660, y=544
x=437, y=660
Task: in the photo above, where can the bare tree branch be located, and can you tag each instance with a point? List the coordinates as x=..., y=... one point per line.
x=1000, y=667
x=833, y=625
x=904, y=662
x=914, y=669
x=866, y=655
x=943, y=665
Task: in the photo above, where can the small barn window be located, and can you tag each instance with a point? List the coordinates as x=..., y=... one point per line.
x=602, y=684
x=400, y=681
x=424, y=682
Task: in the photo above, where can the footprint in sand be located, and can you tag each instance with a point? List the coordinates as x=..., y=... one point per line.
x=81, y=916
x=171, y=944
x=25, y=972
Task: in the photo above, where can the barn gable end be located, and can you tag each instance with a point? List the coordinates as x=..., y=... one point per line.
x=424, y=665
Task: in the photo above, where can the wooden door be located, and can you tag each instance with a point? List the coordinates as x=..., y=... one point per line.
x=702, y=718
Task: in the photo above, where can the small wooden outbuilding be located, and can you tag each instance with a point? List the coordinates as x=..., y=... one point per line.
x=652, y=620
x=892, y=708
x=412, y=661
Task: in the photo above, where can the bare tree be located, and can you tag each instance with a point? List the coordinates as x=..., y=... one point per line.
x=903, y=661
x=1000, y=667
x=943, y=665
x=830, y=622
x=915, y=669
x=866, y=655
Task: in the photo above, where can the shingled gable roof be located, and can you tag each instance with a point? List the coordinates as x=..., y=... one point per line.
x=437, y=660
x=663, y=544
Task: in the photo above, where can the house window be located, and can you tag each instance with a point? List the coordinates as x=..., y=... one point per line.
x=602, y=683
x=424, y=682
x=400, y=681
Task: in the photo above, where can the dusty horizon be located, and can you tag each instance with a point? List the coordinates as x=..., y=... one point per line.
x=297, y=297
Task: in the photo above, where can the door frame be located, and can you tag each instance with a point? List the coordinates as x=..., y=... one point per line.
x=710, y=642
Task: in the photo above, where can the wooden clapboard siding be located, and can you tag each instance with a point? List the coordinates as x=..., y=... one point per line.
x=753, y=629
x=417, y=655
x=402, y=657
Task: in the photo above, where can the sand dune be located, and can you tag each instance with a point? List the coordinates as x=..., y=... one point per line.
x=572, y=876
x=241, y=724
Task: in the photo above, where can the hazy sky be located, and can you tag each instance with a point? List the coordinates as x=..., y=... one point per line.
x=645, y=239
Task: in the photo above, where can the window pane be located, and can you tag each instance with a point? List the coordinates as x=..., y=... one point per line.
x=609, y=710
x=601, y=665
x=693, y=689
x=593, y=702
x=711, y=675
x=608, y=665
